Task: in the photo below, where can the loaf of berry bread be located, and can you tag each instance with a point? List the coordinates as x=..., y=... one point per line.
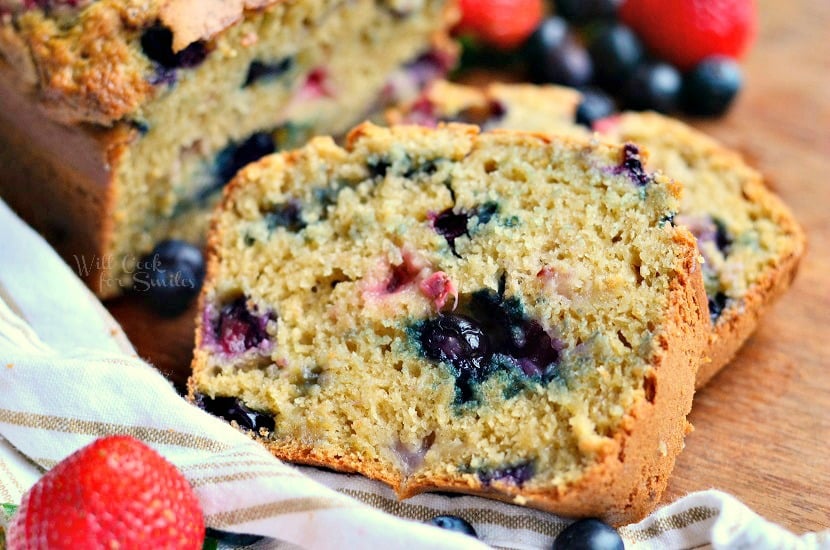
x=749, y=239
x=120, y=120
x=502, y=314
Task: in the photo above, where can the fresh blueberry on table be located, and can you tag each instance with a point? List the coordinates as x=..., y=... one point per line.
x=555, y=56
x=588, y=534
x=170, y=276
x=616, y=53
x=654, y=85
x=453, y=523
x=710, y=88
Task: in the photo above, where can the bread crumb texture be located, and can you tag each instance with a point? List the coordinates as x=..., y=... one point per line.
x=443, y=308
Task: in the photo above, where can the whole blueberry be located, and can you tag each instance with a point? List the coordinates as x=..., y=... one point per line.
x=616, y=53
x=170, y=276
x=554, y=55
x=595, y=105
x=457, y=340
x=585, y=10
x=588, y=534
x=453, y=523
x=654, y=85
x=515, y=339
x=710, y=88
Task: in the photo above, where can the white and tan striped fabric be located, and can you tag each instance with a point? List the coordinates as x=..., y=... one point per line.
x=68, y=375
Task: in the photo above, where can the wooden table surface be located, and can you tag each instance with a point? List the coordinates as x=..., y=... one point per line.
x=763, y=424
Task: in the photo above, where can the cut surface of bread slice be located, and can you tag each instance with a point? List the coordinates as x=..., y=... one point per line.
x=750, y=240
x=503, y=314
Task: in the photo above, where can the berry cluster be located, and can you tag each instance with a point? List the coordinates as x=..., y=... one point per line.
x=662, y=55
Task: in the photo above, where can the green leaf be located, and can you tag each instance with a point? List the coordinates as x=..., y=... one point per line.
x=6, y=513
x=9, y=509
x=210, y=544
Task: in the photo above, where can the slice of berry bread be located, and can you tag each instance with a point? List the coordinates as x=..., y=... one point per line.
x=122, y=120
x=749, y=239
x=505, y=314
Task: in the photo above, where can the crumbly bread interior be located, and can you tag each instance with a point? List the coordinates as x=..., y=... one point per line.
x=757, y=233
x=342, y=258
x=329, y=61
x=744, y=232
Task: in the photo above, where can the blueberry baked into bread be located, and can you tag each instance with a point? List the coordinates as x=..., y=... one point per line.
x=120, y=120
x=503, y=314
x=749, y=239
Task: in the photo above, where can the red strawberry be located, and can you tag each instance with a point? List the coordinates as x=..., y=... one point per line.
x=504, y=24
x=114, y=493
x=684, y=32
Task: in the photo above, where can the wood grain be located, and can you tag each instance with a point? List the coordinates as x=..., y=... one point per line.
x=763, y=424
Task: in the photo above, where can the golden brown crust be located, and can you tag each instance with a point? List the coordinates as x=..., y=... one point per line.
x=94, y=70
x=626, y=483
x=89, y=67
x=60, y=179
x=738, y=322
x=739, y=318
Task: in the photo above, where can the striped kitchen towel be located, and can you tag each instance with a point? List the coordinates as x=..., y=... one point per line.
x=68, y=375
